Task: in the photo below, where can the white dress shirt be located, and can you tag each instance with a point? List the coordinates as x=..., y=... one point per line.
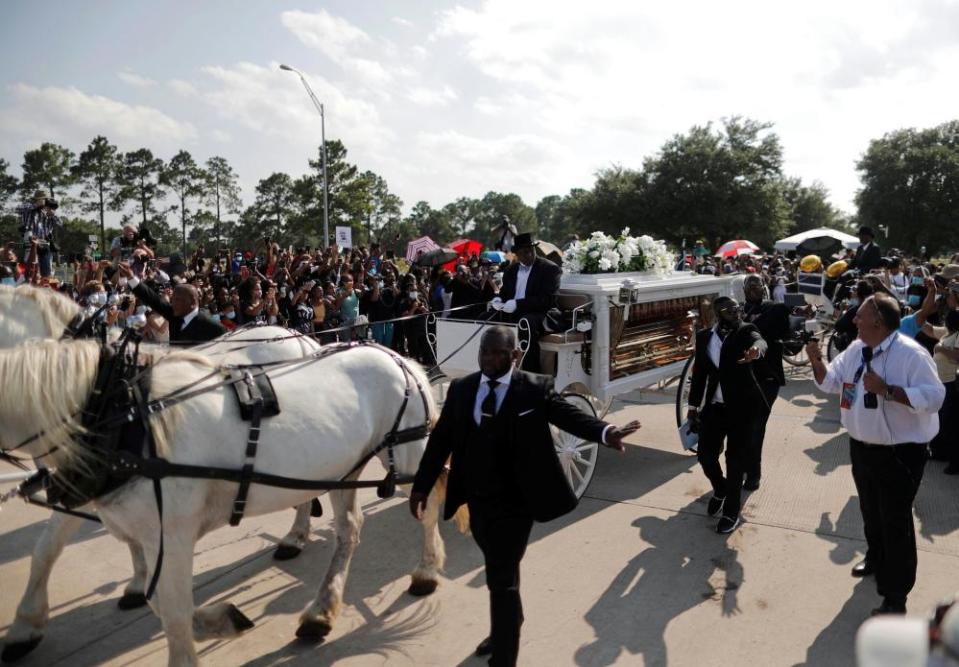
x=901, y=362
x=501, y=390
x=713, y=350
x=522, y=277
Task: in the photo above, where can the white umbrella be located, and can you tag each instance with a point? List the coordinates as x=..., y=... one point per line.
x=418, y=246
x=793, y=242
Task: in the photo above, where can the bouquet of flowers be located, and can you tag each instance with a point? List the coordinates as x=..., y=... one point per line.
x=601, y=253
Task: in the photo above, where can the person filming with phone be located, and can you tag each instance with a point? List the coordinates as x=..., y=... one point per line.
x=890, y=395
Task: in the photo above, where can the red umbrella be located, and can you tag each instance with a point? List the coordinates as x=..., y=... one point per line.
x=465, y=248
x=416, y=247
x=736, y=248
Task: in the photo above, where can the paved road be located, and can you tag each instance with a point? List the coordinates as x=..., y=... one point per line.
x=635, y=576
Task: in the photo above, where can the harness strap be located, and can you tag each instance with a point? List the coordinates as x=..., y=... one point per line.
x=246, y=473
x=157, y=489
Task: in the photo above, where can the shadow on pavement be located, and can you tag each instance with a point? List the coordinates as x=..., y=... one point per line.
x=835, y=646
x=831, y=454
x=685, y=565
x=845, y=534
x=20, y=542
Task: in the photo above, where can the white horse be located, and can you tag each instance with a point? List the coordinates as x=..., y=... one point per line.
x=27, y=313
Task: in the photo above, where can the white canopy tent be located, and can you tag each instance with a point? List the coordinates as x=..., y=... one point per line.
x=793, y=242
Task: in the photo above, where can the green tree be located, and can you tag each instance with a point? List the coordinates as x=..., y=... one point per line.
x=275, y=204
x=47, y=167
x=716, y=184
x=910, y=184
x=222, y=191
x=562, y=218
x=462, y=215
x=186, y=180
x=424, y=220
x=808, y=206
x=74, y=238
x=348, y=198
x=382, y=206
x=97, y=171
x=494, y=207
x=8, y=184
x=140, y=182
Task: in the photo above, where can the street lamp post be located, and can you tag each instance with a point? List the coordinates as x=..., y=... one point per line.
x=326, y=183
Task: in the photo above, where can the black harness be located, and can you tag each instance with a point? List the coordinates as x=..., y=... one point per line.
x=116, y=420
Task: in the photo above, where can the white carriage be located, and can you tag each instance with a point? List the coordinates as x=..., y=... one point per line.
x=621, y=337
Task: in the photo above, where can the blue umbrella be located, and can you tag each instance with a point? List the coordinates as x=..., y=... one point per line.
x=494, y=256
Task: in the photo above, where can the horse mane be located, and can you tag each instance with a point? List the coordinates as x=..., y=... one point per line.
x=56, y=309
x=60, y=376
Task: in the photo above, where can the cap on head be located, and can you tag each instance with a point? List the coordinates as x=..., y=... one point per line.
x=524, y=240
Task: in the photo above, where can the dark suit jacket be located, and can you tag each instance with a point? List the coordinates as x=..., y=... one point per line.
x=867, y=260
x=200, y=329
x=541, y=286
x=528, y=408
x=772, y=320
x=745, y=386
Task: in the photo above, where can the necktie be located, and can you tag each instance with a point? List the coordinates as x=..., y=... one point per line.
x=488, y=408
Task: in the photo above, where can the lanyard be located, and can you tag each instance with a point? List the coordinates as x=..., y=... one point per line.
x=862, y=366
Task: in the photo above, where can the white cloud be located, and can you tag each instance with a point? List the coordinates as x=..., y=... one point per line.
x=428, y=97
x=340, y=41
x=135, y=79
x=73, y=117
x=182, y=88
x=398, y=20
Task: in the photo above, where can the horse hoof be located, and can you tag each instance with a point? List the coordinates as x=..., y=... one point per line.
x=286, y=552
x=239, y=620
x=131, y=601
x=313, y=631
x=15, y=651
x=421, y=587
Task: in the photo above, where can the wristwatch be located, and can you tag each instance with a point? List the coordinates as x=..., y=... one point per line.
x=890, y=392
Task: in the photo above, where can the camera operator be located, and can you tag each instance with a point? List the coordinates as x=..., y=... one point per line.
x=38, y=221
x=890, y=398
x=122, y=247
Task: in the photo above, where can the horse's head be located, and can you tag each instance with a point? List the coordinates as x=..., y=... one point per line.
x=30, y=312
x=408, y=455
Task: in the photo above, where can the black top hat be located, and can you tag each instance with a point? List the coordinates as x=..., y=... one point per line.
x=867, y=231
x=524, y=240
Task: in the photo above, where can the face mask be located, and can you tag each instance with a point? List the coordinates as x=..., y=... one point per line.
x=215, y=317
x=413, y=295
x=8, y=281
x=914, y=300
x=97, y=299
x=853, y=302
x=916, y=280
x=229, y=315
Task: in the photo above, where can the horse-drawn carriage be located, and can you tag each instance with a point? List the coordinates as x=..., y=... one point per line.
x=626, y=331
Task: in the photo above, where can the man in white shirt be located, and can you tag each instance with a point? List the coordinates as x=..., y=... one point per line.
x=890, y=398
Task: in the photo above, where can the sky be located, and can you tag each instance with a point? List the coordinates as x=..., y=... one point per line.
x=450, y=99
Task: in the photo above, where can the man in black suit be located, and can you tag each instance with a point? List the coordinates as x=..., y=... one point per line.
x=188, y=325
x=732, y=379
x=772, y=320
x=495, y=424
x=868, y=254
x=529, y=291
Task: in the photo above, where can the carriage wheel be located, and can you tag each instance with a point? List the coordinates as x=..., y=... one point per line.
x=600, y=406
x=798, y=359
x=832, y=348
x=682, y=391
x=577, y=456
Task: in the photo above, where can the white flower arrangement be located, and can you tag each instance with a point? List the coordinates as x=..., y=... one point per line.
x=601, y=253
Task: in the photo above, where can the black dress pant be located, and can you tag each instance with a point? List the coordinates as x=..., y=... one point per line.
x=887, y=478
x=754, y=468
x=945, y=446
x=502, y=531
x=720, y=425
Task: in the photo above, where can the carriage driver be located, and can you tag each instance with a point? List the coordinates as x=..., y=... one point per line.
x=495, y=424
x=529, y=290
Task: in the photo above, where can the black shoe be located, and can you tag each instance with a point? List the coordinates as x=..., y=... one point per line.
x=727, y=525
x=751, y=483
x=485, y=647
x=951, y=469
x=715, y=504
x=889, y=607
x=863, y=568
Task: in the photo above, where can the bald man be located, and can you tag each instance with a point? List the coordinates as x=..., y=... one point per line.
x=188, y=326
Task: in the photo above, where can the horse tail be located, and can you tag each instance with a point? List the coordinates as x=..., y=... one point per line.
x=462, y=516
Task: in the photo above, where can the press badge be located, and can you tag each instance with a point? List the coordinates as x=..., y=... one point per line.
x=848, y=395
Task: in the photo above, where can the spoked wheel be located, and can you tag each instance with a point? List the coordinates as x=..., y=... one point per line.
x=798, y=359
x=832, y=347
x=577, y=456
x=600, y=406
x=682, y=391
